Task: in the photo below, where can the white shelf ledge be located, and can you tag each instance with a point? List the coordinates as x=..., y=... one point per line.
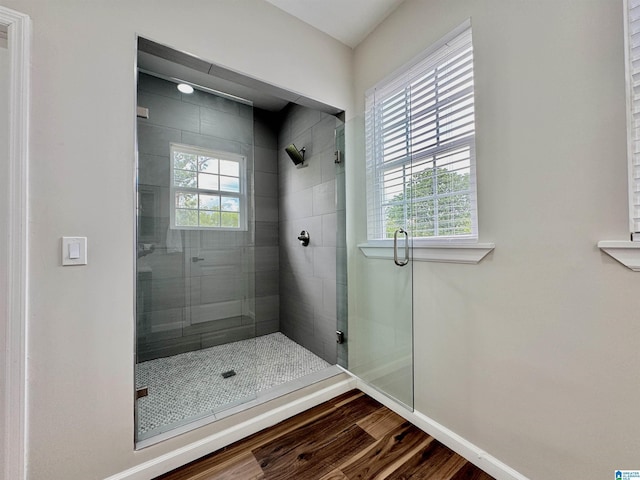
x=471, y=253
x=625, y=252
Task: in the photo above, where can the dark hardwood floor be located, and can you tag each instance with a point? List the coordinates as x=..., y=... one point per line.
x=349, y=437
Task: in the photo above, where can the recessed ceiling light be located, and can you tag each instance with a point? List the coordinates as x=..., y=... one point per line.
x=184, y=88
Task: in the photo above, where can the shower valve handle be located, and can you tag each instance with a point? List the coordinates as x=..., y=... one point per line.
x=304, y=238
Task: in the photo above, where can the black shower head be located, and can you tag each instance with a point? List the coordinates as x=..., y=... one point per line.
x=297, y=156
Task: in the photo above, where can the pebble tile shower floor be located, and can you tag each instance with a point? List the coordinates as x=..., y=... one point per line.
x=190, y=385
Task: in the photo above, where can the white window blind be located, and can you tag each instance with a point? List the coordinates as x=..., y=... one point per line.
x=633, y=94
x=420, y=146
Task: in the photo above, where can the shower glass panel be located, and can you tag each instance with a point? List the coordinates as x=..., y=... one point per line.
x=341, y=250
x=195, y=301
x=381, y=321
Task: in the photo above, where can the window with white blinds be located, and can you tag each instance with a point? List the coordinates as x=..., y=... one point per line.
x=633, y=95
x=420, y=146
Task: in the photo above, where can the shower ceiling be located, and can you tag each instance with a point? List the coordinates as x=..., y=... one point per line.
x=159, y=59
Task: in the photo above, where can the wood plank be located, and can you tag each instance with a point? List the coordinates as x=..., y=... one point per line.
x=434, y=462
x=335, y=475
x=321, y=430
x=471, y=472
x=380, y=422
x=311, y=457
x=242, y=467
x=226, y=456
x=345, y=398
x=388, y=453
x=247, y=468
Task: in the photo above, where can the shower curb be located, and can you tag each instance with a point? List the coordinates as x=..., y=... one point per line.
x=183, y=455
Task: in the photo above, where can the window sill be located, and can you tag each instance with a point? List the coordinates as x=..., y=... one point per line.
x=625, y=252
x=471, y=253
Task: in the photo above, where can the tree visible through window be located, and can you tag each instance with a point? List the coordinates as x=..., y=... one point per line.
x=435, y=202
x=207, y=189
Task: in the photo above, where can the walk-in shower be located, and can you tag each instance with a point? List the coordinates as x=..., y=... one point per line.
x=231, y=308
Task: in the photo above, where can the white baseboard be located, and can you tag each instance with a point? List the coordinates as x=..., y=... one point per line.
x=455, y=442
x=195, y=450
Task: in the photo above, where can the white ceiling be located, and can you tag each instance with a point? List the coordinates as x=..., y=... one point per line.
x=348, y=21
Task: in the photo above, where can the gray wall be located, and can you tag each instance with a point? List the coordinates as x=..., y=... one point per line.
x=185, y=305
x=308, y=202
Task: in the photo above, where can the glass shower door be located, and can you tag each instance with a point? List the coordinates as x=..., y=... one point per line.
x=196, y=349
x=342, y=324
x=381, y=282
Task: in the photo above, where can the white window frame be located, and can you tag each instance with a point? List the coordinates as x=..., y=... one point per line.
x=632, y=56
x=241, y=195
x=455, y=42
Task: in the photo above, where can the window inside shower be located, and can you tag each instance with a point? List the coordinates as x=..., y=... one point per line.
x=231, y=309
x=208, y=189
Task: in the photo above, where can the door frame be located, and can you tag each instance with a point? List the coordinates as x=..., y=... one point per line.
x=15, y=255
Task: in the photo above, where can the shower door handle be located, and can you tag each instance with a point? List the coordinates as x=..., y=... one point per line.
x=401, y=263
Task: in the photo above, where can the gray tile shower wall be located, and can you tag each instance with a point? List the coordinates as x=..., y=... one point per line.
x=185, y=305
x=308, y=202
x=267, y=235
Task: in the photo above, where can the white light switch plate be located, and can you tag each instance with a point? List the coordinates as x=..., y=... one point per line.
x=74, y=251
